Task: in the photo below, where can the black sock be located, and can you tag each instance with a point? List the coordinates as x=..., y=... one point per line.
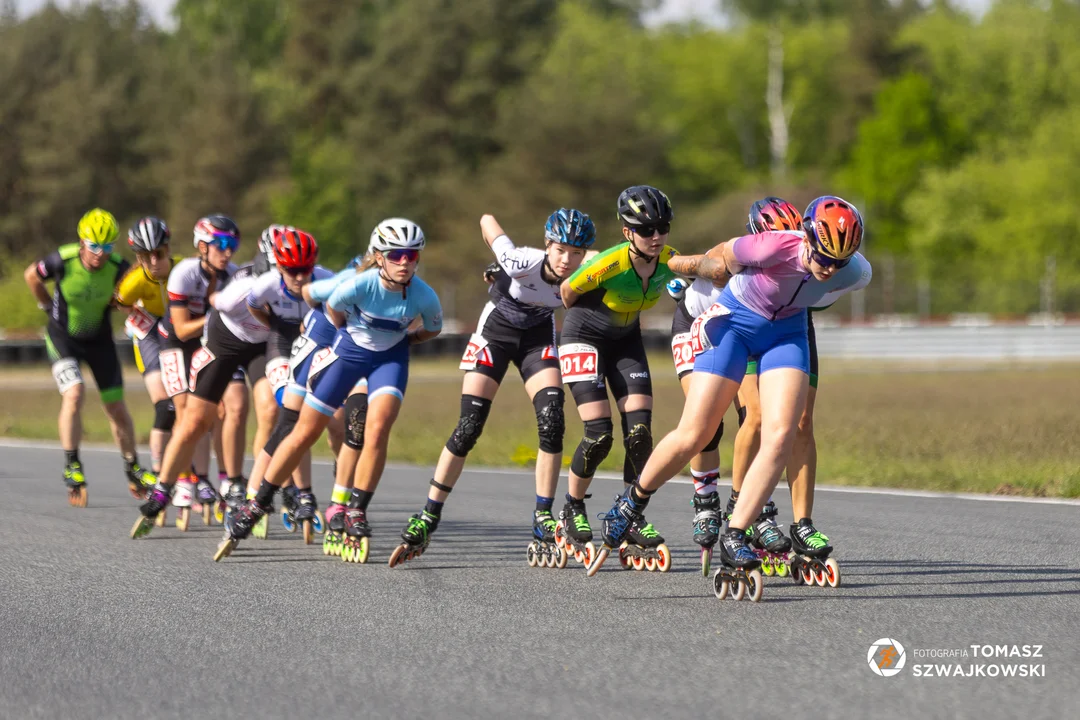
x=237, y=479
x=71, y=456
x=360, y=499
x=640, y=499
x=543, y=504
x=433, y=508
x=265, y=495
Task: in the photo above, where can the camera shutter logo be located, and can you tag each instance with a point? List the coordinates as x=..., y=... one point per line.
x=886, y=657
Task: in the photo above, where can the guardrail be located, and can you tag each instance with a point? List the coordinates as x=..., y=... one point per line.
x=898, y=340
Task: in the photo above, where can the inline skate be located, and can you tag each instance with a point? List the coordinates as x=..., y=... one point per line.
x=335, y=528
x=183, y=495
x=153, y=508
x=544, y=551
x=139, y=479
x=811, y=564
x=207, y=497
x=415, y=538
x=224, y=488
x=769, y=543
x=357, y=536
x=238, y=526
x=644, y=549
x=707, y=521
x=299, y=509
x=76, y=484
x=618, y=521
x=738, y=575
x=573, y=533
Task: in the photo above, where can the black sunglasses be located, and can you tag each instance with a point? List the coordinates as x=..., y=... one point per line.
x=647, y=231
x=826, y=261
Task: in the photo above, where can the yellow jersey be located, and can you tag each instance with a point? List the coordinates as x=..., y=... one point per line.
x=137, y=286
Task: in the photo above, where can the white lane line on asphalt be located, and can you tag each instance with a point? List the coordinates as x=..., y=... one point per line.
x=100, y=447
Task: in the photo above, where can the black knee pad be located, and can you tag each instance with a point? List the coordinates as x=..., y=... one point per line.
x=715, y=442
x=164, y=415
x=740, y=410
x=355, y=418
x=286, y=421
x=474, y=413
x=637, y=440
x=550, y=422
x=594, y=447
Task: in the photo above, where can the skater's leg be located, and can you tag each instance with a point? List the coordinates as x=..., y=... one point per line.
x=309, y=426
x=748, y=437
x=266, y=412
x=477, y=392
x=636, y=413
x=164, y=417
x=70, y=420
x=234, y=427
x=802, y=468
x=545, y=390
x=191, y=431
x=335, y=431
x=382, y=412
x=594, y=446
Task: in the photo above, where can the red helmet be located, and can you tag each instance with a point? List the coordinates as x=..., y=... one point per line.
x=834, y=227
x=772, y=213
x=295, y=249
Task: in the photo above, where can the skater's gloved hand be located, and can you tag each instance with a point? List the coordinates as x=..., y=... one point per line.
x=676, y=288
x=489, y=273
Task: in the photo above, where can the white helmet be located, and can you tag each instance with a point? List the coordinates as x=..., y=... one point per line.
x=266, y=242
x=396, y=234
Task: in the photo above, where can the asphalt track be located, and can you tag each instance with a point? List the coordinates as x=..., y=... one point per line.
x=93, y=624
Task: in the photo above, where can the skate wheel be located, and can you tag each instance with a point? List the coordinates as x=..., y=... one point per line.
x=530, y=555
x=807, y=576
x=782, y=569
x=309, y=532
x=706, y=561
x=159, y=521
x=318, y=523
x=589, y=554
x=362, y=551
x=259, y=531
x=663, y=563
x=625, y=560
x=398, y=556
x=720, y=585
x=650, y=564
x=183, y=519
x=80, y=497
x=579, y=557
x=208, y=514
x=287, y=522
x=767, y=567
x=547, y=558
x=638, y=563
x=224, y=549
x=820, y=576
x=598, y=561
x=738, y=591
x=561, y=557
x=560, y=539
x=219, y=514
x=141, y=527
x=832, y=572
x=754, y=586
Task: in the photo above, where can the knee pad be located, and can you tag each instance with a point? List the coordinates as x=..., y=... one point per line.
x=715, y=442
x=550, y=422
x=164, y=415
x=285, y=423
x=637, y=438
x=593, y=448
x=355, y=417
x=741, y=412
x=474, y=413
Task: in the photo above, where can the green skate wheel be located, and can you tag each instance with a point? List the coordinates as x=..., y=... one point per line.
x=781, y=569
x=706, y=561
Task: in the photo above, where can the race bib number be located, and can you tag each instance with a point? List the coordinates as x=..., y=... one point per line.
x=550, y=353
x=139, y=323
x=579, y=363
x=321, y=360
x=67, y=374
x=173, y=376
x=476, y=353
x=277, y=372
x=699, y=338
x=199, y=360
x=301, y=348
x=682, y=352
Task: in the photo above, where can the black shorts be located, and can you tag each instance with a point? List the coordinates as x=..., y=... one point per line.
x=217, y=364
x=531, y=349
x=99, y=354
x=620, y=363
x=147, y=351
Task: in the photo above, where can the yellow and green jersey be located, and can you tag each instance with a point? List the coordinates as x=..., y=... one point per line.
x=612, y=290
x=83, y=297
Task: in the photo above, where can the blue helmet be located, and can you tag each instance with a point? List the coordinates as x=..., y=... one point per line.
x=570, y=227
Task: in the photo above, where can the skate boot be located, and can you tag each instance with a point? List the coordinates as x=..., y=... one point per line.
x=335, y=529
x=544, y=551
x=738, y=575
x=76, y=484
x=644, y=548
x=183, y=495
x=707, y=520
x=263, y=525
x=811, y=564
x=238, y=526
x=289, y=504
x=222, y=505
x=573, y=533
x=415, y=538
x=155, y=505
x=306, y=515
x=357, y=536
x=140, y=480
x=618, y=521
x=207, y=498
x=769, y=542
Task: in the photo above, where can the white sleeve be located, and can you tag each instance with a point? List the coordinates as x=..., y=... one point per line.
x=263, y=289
x=866, y=274
x=233, y=296
x=517, y=262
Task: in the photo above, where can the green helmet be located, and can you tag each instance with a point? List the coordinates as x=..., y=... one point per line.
x=98, y=226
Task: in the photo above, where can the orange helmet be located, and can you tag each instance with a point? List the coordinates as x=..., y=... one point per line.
x=772, y=213
x=834, y=227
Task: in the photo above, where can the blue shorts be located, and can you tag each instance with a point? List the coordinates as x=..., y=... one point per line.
x=318, y=333
x=336, y=370
x=744, y=334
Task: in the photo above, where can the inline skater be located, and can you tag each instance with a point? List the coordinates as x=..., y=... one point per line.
x=601, y=346
x=373, y=312
x=516, y=326
x=85, y=276
x=143, y=294
x=761, y=312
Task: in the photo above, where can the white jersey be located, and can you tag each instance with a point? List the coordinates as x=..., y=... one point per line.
x=232, y=309
x=700, y=296
x=188, y=283
x=269, y=290
x=519, y=292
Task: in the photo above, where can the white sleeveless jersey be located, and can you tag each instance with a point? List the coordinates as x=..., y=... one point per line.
x=700, y=296
x=519, y=291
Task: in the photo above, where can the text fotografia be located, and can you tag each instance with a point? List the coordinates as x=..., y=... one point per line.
x=986, y=651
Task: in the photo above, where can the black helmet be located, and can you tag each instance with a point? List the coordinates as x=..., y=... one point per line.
x=644, y=205
x=212, y=226
x=148, y=234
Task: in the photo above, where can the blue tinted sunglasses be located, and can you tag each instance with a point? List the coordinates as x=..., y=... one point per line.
x=98, y=248
x=225, y=242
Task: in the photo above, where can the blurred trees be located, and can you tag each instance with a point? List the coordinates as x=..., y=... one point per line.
x=958, y=137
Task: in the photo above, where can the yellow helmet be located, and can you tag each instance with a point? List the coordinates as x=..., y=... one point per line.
x=98, y=226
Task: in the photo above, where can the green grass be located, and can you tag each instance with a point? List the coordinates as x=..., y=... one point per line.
x=1005, y=430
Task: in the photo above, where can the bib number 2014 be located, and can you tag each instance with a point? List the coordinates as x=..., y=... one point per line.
x=579, y=362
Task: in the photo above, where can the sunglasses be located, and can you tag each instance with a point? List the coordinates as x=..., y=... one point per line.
x=399, y=257
x=224, y=242
x=159, y=253
x=306, y=270
x=826, y=261
x=649, y=230
x=98, y=248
